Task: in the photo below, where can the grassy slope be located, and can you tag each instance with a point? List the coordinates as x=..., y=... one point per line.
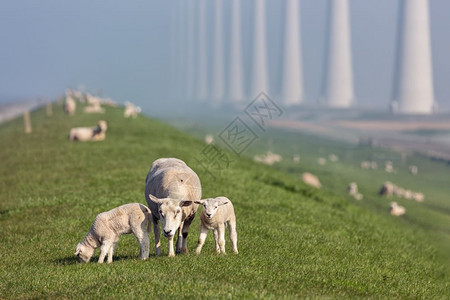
x=293, y=240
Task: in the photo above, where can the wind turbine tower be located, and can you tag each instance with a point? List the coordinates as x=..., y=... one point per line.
x=338, y=86
x=260, y=81
x=413, y=86
x=236, y=91
x=292, y=81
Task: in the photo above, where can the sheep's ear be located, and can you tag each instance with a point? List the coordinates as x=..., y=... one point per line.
x=223, y=202
x=156, y=199
x=185, y=203
x=199, y=201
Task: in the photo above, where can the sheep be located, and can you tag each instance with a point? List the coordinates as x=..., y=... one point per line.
x=296, y=158
x=94, y=109
x=217, y=212
x=352, y=188
x=70, y=106
x=413, y=170
x=333, y=157
x=89, y=133
x=396, y=210
x=388, y=166
x=418, y=197
x=109, y=226
x=209, y=139
x=387, y=189
x=131, y=110
x=268, y=159
x=321, y=161
x=170, y=189
x=311, y=180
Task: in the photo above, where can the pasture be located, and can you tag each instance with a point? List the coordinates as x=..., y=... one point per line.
x=294, y=241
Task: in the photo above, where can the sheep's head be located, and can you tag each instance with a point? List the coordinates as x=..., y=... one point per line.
x=103, y=125
x=170, y=213
x=211, y=205
x=84, y=253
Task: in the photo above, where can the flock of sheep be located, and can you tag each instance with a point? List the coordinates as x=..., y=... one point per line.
x=94, y=106
x=387, y=189
x=173, y=194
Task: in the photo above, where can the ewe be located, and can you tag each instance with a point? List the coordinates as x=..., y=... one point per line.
x=109, y=226
x=215, y=214
x=89, y=133
x=170, y=189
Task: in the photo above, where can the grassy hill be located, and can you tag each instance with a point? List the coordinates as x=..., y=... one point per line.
x=293, y=241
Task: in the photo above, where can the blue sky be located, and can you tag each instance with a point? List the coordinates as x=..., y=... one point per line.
x=122, y=49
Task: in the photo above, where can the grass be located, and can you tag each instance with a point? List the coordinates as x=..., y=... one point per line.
x=293, y=241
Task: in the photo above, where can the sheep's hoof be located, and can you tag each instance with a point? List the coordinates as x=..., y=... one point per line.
x=171, y=255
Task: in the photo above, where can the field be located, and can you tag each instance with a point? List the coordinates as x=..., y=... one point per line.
x=294, y=241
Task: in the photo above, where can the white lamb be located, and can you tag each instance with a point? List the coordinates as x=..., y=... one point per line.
x=170, y=189
x=109, y=226
x=89, y=133
x=131, y=110
x=216, y=213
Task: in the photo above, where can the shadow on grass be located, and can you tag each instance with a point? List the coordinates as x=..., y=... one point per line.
x=72, y=260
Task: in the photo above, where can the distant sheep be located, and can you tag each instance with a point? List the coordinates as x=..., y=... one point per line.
x=70, y=106
x=388, y=166
x=216, y=214
x=353, y=191
x=413, y=170
x=209, y=139
x=94, y=109
x=84, y=134
x=333, y=157
x=387, y=189
x=170, y=189
x=131, y=110
x=296, y=158
x=109, y=226
x=268, y=159
x=396, y=210
x=311, y=180
x=321, y=161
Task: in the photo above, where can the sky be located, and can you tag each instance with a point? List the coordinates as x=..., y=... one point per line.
x=136, y=50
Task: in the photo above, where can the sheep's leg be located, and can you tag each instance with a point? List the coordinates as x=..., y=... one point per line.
x=157, y=232
x=216, y=239
x=111, y=252
x=187, y=224
x=233, y=235
x=104, y=249
x=171, y=252
x=180, y=238
x=141, y=236
x=201, y=239
x=221, y=235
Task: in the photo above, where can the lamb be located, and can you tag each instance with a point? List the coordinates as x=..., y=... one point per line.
x=170, y=189
x=89, y=133
x=70, y=106
x=215, y=214
x=109, y=226
x=311, y=180
x=396, y=210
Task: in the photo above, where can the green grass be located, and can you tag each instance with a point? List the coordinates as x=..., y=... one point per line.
x=293, y=241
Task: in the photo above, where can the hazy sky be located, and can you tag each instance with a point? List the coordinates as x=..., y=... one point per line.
x=123, y=49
